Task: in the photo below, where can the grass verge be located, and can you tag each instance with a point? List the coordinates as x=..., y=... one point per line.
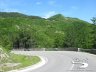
x=22, y=59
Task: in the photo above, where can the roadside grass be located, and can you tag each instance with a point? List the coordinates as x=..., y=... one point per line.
x=22, y=59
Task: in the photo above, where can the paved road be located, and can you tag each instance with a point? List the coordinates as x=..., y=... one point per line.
x=61, y=61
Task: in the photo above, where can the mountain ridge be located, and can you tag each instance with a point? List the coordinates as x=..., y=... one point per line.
x=55, y=17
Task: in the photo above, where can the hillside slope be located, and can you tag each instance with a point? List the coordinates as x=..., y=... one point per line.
x=22, y=31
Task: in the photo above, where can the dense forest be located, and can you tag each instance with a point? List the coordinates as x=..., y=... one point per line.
x=22, y=31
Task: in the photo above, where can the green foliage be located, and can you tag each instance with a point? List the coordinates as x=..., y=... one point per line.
x=16, y=15
x=94, y=31
x=79, y=35
x=94, y=20
x=57, y=17
x=22, y=31
x=21, y=60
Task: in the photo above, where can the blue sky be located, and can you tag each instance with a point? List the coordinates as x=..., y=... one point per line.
x=83, y=9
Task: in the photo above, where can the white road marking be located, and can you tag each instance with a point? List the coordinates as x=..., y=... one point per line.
x=84, y=65
x=72, y=67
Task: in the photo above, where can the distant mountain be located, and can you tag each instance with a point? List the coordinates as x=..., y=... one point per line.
x=57, y=17
x=60, y=17
x=11, y=14
x=16, y=14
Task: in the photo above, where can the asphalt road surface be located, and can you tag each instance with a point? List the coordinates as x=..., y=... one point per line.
x=64, y=61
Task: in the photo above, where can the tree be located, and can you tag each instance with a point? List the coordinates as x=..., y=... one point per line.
x=78, y=35
x=55, y=32
x=94, y=31
x=94, y=20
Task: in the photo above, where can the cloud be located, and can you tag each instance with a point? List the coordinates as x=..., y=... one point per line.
x=4, y=7
x=13, y=10
x=38, y=3
x=52, y=2
x=49, y=14
x=9, y=10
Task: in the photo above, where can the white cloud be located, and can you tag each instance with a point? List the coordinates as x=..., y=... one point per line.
x=52, y=2
x=9, y=10
x=4, y=7
x=13, y=10
x=38, y=3
x=49, y=14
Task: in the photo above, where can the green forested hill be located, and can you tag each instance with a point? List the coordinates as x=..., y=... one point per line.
x=21, y=31
x=16, y=15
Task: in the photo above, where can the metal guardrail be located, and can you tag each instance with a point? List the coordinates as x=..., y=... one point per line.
x=93, y=51
x=46, y=49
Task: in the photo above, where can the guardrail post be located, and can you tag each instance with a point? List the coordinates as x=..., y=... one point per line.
x=78, y=49
x=43, y=49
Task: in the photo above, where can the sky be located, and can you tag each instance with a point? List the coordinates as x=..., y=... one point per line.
x=82, y=9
